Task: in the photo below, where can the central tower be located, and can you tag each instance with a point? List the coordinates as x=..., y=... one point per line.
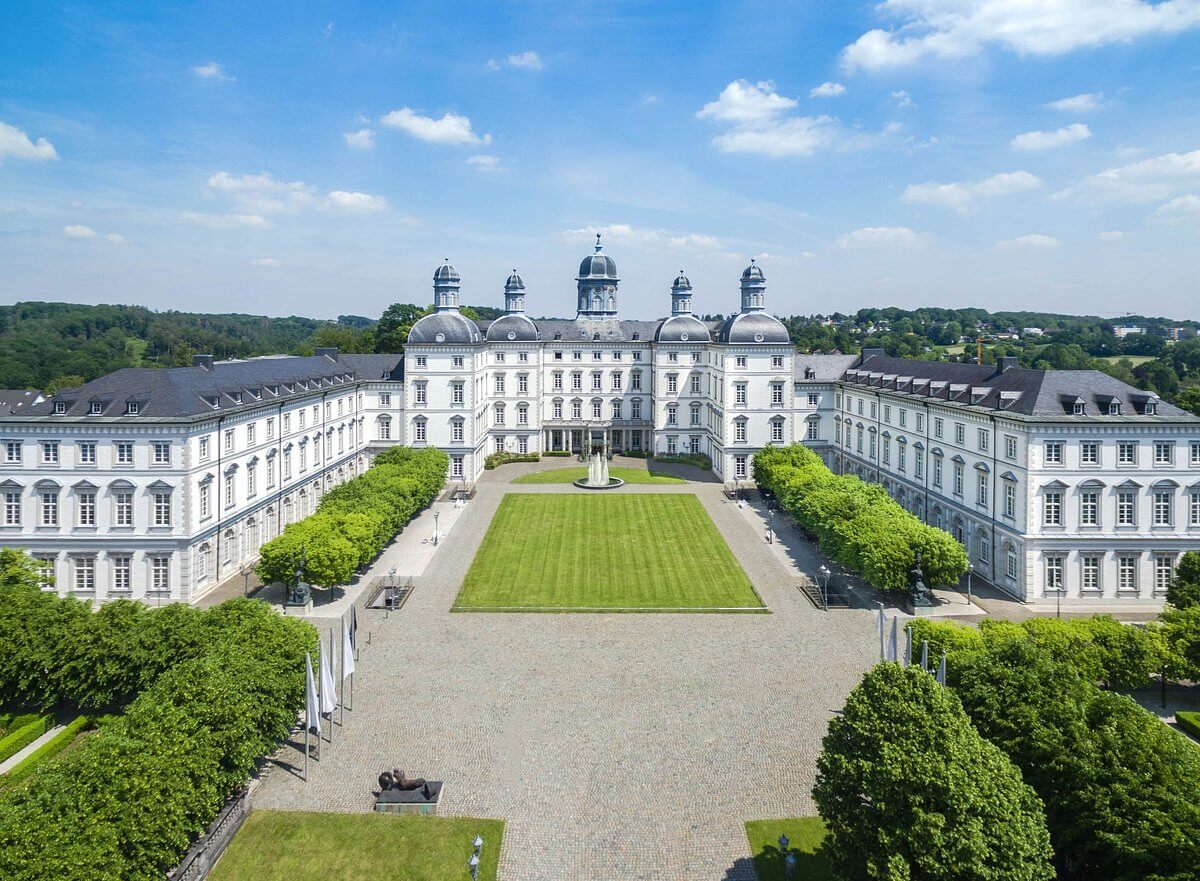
x=597, y=284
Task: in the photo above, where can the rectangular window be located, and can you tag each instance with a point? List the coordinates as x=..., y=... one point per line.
x=1010, y=447
x=86, y=509
x=1089, y=509
x=1126, y=509
x=12, y=508
x=903, y=418
x=1164, y=573
x=271, y=427
x=124, y=453
x=937, y=471
x=739, y=393
x=1127, y=573
x=49, y=508
x=160, y=573
x=1193, y=454
x=1194, y=516
x=776, y=430
x=596, y=355
x=252, y=431
x=576, y=409
x=251, y=481
x=635, y=408
x=162, y=509
x=1090, y=566
x=960, y=434
x=1054, y=452
x=456, y=432
x=204, y=445
x=577, y=382
x=887, y=412
x=740, y=432
x=695, y=384
x=456, y=393
x=499, y=383
x=85, y=574
x=1089, y=453
x=1163, y=502
x=672, y=383
x=1126, y=453
x=1164, y=453
x=1054, y=574
x=49, y=452
x=776, y=394
x=739, y=467
x=958, y=479
x=12, y=452
x=813, y=431
x=1052, y=509
x=937, y=426
x=739, y=362
x=228, y=439
x=122, y=573
x=982, y=436
x=919, y=465
x=162, y=453
x=981, y=489
x=87, y=452
x=523, y=383
x=597, y=382
x=920, y=422
x=1010, y=501
x=814, y=399
x=456, y=466
x=596, y=410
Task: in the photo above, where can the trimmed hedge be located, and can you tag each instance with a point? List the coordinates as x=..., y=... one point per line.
x=19, y=738
x=699, y=460
x=1189, y=721
x=354, y=521
x=557, y=454
x=502, y=458
x=636, y=454
x=47, y=750
x=856, y=523
x=9, y=722
x=127, y=803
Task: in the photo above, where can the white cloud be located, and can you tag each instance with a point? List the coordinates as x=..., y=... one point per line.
x=759, y=124
x=1033, y=240
x=15, y=143
x=882, y=237
x=1150, y=180
x=655, y=238
x=265, y=261
x=261, y=193
x=698, y=241
x=226, y=221
x=903, y=99
x=1068, y=134
x=212, y=71
x=962, y=196
x=451, y=129
x=486, y=163
x=1180, y=208
x=115, y=237
x=827, y=90
x=359, y=203
x=363, y=139
x=951, y=29
x=520, y=60
x=744, y=103
x=79, y=232
x=1084, y=103
x=1112, y=235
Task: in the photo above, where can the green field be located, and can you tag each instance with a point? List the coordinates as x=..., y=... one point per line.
x=570, y=475
x=805, y=835
x=295, y=846
x=587, y=552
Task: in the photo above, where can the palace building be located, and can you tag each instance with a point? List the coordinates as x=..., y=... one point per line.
x=160, y=483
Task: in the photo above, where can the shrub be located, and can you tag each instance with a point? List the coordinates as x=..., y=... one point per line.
x=908, y=789
x=636, y=454
x=1179, y=638
x=47, y=751
x=502, y=458
x=699, y=460
x=19, y=738
x=1189, y=721
x=354, y=521
x=557, y=454
x=1184, y=590
x=856, y=523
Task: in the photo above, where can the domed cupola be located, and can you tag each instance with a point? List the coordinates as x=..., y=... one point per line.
x=514, y=294
x=682, y=326
x=446, y=283
x=597, y=285
x=754, y=288
x=681, y=295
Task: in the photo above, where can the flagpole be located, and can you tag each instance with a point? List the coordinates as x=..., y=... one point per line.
x=342, y=679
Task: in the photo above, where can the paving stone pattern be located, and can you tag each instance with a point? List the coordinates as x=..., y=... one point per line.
x=616, y=746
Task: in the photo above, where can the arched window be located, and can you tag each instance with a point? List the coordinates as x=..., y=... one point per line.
x=200, y=568
x=229, y=546
x=385, y=428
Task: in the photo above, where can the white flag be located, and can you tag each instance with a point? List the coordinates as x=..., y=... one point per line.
x=347, y=651
x=328, y=696
x=312, y=712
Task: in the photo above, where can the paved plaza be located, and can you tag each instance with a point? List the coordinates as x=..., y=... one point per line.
x=615, y=746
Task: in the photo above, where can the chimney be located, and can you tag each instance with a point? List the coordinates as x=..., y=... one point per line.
x=203, y=361
x=330, y=352
x=1006, y=363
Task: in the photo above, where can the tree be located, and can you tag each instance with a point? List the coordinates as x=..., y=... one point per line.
x=68, y=380
x=911, y=792
x=391, y=333
x=1189, y=399
x=1184, y=591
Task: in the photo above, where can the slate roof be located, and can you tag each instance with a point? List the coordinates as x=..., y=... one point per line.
x=602, y=330
x=1041, y=394
x=180, y=392
x=825, y=368
x=17, y=401
x=453, y=327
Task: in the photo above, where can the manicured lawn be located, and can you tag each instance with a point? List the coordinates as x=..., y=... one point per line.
x=570, y=475
x=295, y=846
x=586, y=552
x=805, y=835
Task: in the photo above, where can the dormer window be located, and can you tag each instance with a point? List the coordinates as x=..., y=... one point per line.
x=60, y=408
x=237, y=397
x=1077, y=408
x=1151, y=408
x=95, y=408
x=131, y=408
x=1114, y=408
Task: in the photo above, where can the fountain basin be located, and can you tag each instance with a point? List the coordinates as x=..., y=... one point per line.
x=613, y=483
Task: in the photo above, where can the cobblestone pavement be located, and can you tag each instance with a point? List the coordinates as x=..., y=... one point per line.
x=616, y=746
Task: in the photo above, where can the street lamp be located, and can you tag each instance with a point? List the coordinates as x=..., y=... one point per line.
x=391, y=596
x=473, y=862
x=771, y=525
x=970, y=569
x=825, y=573
x=436, y=531
x=789, y=858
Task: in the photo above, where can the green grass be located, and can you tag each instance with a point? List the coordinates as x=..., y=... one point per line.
x=58, y=746
x=1189, y=721
x=587, y=552
x=570, y=475
x=295, y=846
x=805, y=835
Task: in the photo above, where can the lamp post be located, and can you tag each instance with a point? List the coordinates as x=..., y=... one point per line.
x=473, y=862
x=825, y=573
x=391, y=597
x=1058, y=592
x=770, y=525
x=436, y=530
x=970, y=569
x=789, y=858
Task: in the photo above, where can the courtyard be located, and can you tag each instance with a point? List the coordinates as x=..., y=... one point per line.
x=611, y=745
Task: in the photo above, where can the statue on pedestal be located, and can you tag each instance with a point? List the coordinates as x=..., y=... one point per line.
x=300, y=592
x=920, y=596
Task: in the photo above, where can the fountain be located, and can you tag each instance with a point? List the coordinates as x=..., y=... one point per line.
x=598, y=475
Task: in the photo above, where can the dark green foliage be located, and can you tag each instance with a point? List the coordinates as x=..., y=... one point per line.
x=560, y=454
x=1179, y=638
x=698, y=459
x=910, y=791
x=125, y=805
x=1189, y=722
x=1118, y=785
x=857, y=523
x=19, y=738
x=46, y=751
x=355, y=520
x=1184, y=591
x=496, y=459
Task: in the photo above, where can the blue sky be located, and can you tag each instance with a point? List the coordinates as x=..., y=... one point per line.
x=320, y=159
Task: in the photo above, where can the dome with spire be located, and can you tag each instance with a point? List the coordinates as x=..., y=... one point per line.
x=514, y=282
x=597, y=265
x=446, y=272
x=681, y=283
x=753, y=272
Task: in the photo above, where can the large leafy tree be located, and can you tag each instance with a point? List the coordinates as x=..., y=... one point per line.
x=1184, y=592
x=391, y=333
x=911, y=792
